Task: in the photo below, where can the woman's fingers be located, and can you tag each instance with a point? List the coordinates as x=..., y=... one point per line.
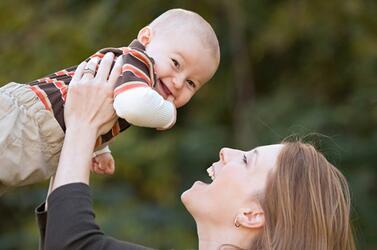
x=89, y=71
x=78, y=73
x=86, y=71
x=104, y=67
x=116, y=71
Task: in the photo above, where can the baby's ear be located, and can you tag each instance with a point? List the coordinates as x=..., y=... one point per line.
x=145, y=35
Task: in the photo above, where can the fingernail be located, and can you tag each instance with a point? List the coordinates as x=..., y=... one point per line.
x=109, y=56
x=94, y=59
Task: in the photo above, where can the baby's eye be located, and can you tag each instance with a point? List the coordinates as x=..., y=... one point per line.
x=191, y=83
x=244, y=159
x=176, y=63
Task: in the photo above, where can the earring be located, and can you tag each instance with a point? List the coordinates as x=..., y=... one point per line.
x=236, y=222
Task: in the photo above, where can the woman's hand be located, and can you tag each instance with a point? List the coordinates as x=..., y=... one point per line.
x=89, y=100
x=89, y=105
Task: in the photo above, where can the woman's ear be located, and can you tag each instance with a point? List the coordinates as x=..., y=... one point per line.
x=145, y=35
x=252, y=218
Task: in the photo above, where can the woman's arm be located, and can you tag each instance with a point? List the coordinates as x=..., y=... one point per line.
x=88, y=106
x=71, y=220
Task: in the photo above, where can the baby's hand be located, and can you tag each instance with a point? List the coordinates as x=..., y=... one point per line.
x=103, y=164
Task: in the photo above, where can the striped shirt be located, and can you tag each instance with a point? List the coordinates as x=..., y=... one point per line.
x=137, y=72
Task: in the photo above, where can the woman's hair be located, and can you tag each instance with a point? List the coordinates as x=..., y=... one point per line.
x=306, y=203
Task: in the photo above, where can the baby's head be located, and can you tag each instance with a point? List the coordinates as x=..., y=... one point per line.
x=185, y=50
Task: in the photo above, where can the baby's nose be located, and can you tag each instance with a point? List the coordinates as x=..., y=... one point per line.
x=178, y=82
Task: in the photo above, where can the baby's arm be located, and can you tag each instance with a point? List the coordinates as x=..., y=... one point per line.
x=135, y=99
x=103, y=150
x=143, y=106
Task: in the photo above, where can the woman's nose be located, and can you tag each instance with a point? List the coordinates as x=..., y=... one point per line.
x=223, y=155
x=228, y=154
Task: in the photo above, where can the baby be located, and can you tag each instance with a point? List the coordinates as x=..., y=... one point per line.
x=171, y=59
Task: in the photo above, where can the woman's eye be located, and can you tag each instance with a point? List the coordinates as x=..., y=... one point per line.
x=245, y=159
x=191, y=83
x=176, y=63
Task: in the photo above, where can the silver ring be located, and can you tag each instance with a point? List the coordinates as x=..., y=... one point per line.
x=89, y=70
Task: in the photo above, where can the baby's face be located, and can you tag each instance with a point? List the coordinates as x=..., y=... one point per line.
x=182, y=66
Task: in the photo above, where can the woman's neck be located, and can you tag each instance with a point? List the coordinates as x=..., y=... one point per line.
x=216, y=237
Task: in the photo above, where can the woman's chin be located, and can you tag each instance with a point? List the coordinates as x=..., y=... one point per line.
x=194, y=195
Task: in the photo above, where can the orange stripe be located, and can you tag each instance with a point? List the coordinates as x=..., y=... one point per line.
x=62, y=88
x=41, y=97
x=64, y=93
x=61, y=73
x=115, y=129
x=141, y=57
x=137, y=72
x=98, y=141
x=123, y=88
x=146, y=60
x=100, y=55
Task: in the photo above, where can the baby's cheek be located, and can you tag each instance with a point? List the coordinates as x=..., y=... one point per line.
x=156, y=70
x=183, y=100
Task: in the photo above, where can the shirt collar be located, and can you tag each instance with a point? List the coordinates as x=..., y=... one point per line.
x=135, y=44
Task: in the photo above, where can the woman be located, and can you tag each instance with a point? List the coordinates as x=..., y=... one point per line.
x=284, y=196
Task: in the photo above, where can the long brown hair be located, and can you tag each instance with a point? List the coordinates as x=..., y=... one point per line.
x=306, y=203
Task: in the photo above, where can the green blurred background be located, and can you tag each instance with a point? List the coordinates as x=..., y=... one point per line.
x=306, y=68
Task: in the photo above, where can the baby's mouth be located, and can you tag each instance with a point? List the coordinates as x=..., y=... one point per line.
x=165, y=89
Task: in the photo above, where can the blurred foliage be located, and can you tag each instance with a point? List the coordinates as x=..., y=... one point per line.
x=288, y=67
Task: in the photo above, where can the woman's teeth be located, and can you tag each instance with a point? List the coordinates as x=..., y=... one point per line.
x=211, y=173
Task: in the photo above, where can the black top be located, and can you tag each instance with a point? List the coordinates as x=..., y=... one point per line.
x=70, y=224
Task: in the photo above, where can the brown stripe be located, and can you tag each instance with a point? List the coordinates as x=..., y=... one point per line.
x=123, y=124
x=129, y=59
x=127, y=77
x=55, y=97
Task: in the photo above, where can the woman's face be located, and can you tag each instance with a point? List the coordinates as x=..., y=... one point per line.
x=236, y=178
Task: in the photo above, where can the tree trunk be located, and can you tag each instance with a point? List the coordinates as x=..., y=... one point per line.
x=244, y=92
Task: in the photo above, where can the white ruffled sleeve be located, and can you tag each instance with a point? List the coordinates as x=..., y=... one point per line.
x=144, y=107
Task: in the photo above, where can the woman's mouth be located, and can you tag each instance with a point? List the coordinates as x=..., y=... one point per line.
x=211, y=172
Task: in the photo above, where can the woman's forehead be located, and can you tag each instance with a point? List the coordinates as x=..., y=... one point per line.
x=265, y=155
x=273, y=148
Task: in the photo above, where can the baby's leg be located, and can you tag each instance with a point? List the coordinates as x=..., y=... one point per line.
x=30, y=138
